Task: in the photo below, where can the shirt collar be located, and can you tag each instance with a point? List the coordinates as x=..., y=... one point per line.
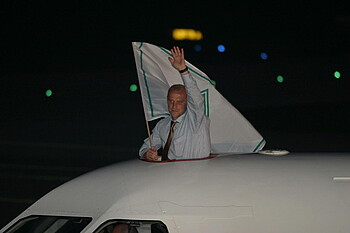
x=180, y=118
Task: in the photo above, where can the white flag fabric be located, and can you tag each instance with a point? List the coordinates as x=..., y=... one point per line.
x=229, y=130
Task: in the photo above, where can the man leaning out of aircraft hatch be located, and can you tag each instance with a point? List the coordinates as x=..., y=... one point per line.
x=185, y=133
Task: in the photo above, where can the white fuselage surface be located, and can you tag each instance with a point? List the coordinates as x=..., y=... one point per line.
x=247, y=193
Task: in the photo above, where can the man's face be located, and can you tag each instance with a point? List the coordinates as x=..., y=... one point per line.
x=177, y=103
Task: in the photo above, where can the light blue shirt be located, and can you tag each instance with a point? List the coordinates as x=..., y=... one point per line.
x=191, y=134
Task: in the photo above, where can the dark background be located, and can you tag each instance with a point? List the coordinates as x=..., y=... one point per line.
x=82, y=52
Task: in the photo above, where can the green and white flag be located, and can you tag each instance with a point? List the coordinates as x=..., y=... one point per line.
x=229, y=130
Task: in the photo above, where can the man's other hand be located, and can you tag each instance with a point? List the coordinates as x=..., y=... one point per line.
x=152, y=154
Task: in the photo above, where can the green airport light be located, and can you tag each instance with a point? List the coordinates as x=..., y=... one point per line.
x=280, y=78
x=48, y=93
x=337, y=74
x=133, y=87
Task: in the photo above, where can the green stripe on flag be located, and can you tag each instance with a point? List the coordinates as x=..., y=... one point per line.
x=200, y=75
x=203, y=77
x=205, y=94
x=147, y=87
x=263, y=140
x=145, y=79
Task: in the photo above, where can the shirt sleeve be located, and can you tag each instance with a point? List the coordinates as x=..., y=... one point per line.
x=195, y=101
x=156, y=141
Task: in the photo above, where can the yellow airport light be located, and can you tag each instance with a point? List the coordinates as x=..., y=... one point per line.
x=187, y=34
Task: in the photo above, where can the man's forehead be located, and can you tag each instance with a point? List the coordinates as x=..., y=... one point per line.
x=177, y=94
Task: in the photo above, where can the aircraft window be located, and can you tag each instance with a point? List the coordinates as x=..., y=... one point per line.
x=121, y=226
x=50, y=224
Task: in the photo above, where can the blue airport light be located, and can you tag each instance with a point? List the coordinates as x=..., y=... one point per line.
x=263, y=56
x=197, y=48
x=221, y=48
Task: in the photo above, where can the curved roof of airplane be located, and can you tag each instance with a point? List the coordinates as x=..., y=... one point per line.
x=224, y=187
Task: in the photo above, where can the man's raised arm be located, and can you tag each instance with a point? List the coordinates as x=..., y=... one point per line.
x=194, y=97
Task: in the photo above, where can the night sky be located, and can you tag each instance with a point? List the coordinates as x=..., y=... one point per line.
x=57, y=36
x=82, y=52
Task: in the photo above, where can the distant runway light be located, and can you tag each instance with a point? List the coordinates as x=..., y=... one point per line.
x=263, y=56
x=48, y=93
x=337, y=74
x=221, y=48
x=187, y=34
x=133, y=87
x=280, y=78
x=198, y=48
